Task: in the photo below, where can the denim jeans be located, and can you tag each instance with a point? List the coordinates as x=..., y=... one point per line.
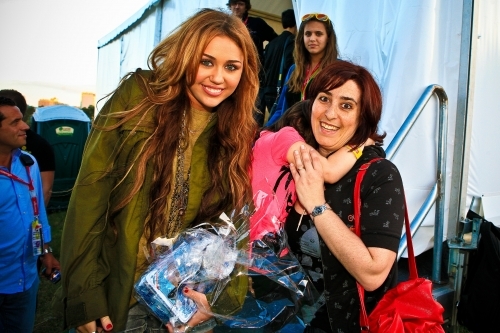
x=17, y=311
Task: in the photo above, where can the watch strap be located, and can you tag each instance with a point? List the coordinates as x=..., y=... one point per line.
x=46, y=250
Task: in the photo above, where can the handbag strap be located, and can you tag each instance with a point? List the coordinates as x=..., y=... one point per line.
x=363, y=318
x=280, y=75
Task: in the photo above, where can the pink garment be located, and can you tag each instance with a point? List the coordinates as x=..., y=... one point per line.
x=272, y=183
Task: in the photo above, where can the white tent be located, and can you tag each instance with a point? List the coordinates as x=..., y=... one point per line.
x=407, y=45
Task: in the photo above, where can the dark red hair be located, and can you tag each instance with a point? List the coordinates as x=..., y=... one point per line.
x=338, y=73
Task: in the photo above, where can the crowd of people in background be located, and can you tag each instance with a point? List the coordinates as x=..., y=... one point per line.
x=179, y=144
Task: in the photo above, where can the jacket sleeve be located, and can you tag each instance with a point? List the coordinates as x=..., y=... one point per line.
x=282, y=102
x=86, y=224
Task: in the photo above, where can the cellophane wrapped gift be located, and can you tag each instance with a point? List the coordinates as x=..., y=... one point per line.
x=201, y=258
x=281, y=296
x=205, y=258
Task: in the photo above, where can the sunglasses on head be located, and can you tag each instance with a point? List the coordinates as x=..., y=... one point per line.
x=318, y=16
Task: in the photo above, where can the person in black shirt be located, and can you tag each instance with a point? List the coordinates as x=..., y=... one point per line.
x=259, y=30
x=278, y=49
x=37, y=146
x=345, y=106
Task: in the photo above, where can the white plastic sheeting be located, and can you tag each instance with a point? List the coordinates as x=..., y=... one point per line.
x=407, y=45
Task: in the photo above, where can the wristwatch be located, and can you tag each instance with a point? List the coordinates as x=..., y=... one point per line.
x=46, y=250
x=318, y=210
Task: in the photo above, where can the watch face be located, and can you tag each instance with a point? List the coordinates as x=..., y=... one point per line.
x=318, y=210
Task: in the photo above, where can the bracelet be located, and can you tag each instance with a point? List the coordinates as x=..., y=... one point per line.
x=356, y=151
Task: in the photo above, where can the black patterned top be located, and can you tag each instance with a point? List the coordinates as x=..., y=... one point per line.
x=382, y=219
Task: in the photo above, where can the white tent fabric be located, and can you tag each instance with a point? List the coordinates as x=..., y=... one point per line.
x=484, y=181
x=407, y=45
x=128, y=47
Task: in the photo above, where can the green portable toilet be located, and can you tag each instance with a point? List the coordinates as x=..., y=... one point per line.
x=66, y=129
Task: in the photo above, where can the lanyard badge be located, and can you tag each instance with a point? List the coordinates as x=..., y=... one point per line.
x=36, y=237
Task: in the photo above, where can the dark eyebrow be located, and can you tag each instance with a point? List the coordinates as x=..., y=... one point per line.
x=348, y=99
x=208, y=56
x=16, y=120
x=212, y=57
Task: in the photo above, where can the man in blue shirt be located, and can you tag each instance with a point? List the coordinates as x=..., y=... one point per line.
x=22, y=214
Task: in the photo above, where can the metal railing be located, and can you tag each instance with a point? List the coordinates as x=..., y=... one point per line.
x=438, y=191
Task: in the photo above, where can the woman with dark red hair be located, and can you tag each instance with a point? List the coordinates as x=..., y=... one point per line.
x=345, y=106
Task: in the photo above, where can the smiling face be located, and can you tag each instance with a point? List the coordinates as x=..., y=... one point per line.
x=315, y=37
x=334, y=117
x=12, y=130
x=219, y=74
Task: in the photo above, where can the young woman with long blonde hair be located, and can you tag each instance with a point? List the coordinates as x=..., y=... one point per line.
x=170, y=148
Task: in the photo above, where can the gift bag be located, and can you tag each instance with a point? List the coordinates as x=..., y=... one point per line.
x=408, y=307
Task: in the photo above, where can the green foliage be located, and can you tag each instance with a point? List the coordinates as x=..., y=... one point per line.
x=45, y=320
x=29, y=114
x=89, y=111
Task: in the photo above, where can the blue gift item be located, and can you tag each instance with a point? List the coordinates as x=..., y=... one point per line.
x=201, y=258
x=281, y=298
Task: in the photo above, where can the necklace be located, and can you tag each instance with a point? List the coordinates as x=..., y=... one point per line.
x=300, y=220
x=181, y=187
x=309, y=76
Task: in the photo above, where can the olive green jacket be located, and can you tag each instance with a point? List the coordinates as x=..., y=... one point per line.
x=98, y=266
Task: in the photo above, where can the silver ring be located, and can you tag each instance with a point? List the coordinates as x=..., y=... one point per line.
x=187, y=329
x=176, y=330
x=298, y=169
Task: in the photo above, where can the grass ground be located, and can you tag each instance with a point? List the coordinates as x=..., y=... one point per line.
x=45, y=320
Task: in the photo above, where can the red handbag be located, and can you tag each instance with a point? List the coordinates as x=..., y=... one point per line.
x=408, y=307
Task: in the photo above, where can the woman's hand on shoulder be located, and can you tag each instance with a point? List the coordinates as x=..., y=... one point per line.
x=307, y=172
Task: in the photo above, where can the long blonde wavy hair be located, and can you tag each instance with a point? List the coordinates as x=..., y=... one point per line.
x=302, y=57
x=174, y=63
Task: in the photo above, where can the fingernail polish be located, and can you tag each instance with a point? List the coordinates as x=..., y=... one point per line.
x=186, y=290
x=109, y=327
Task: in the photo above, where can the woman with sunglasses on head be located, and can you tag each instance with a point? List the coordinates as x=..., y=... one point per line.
x=315, y=48
x=170, y=149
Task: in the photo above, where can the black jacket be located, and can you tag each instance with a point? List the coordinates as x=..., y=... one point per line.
x=260, y=32
x=272, y=60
